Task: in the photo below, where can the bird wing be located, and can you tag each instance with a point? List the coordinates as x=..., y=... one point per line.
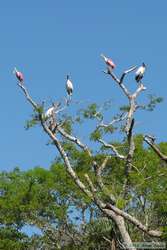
x=69, y=85
x=110, y=63
x=140, y=70
x=49, y=112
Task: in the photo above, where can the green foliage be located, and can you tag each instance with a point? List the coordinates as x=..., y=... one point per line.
x=45, y=197
x=96, y=135
x=153, y=101
x=31, y=123
x=121, y=203
x=35, y=117
x=124, y=108
x=13, y=239
x=91, y=111
x=67, y=124
x=40, y=109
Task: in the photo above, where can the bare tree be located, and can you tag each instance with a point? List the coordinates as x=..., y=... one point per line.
x=53, y=128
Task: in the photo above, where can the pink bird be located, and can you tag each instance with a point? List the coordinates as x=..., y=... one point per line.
x=108, y=61
x=19, y=75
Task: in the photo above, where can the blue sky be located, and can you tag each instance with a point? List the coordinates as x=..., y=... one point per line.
x=48, y=39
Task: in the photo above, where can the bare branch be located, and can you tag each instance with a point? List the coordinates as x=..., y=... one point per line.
x=122, y=86
x=126, y=72
x=122, y=117
x=119, y=220
x=130, y=96
x=139, y=89
x=69, y=168
x=75, y=140
x=28, y=97
x=150, y=142
x=107, y=145
x=92, y=188
x=100, y=169
x=129, y=158
x=131, y=141
x=120, y=81
x=134, y=221
x=66, y=161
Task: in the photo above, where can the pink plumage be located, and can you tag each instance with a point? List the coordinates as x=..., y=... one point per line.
x=108, y=61
x=19, y=76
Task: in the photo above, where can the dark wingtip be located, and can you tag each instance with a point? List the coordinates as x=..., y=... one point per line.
x=137, y=78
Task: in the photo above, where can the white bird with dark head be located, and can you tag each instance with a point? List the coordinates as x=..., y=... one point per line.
x=69, y=86
x=140, y=72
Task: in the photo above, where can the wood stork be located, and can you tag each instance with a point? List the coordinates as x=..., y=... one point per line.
x=19, y=75
x=49, y=112
x=108, y=61
x=69, y=86
x=140, y=72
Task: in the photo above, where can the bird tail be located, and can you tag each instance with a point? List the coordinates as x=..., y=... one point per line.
x=137, y=78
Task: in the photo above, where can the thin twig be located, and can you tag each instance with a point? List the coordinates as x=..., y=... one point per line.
x=108, y=145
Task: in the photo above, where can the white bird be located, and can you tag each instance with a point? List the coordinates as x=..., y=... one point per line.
x=49, y=112
x=140, y=72
x=69, y=86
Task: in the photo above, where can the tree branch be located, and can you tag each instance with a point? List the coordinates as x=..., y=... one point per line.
x=28, y=97
x=129, y=158
x=127, y=72
x=150, y=142
x=122, y=117
x=119, y=220
x=75, y=140
x=107, y=145
x=135, y=222
x=58, y=145
x=118, y=81
x=99, y=170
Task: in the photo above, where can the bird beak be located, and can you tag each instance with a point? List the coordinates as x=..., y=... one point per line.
x=103, y=56
x=15, y=70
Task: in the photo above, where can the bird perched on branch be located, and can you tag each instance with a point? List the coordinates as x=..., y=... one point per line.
x=108, y=61
x=69, y=86
x=19, y=75
x=50, y=118
x=49, y=112
x=151, y=137
x=140, y=72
